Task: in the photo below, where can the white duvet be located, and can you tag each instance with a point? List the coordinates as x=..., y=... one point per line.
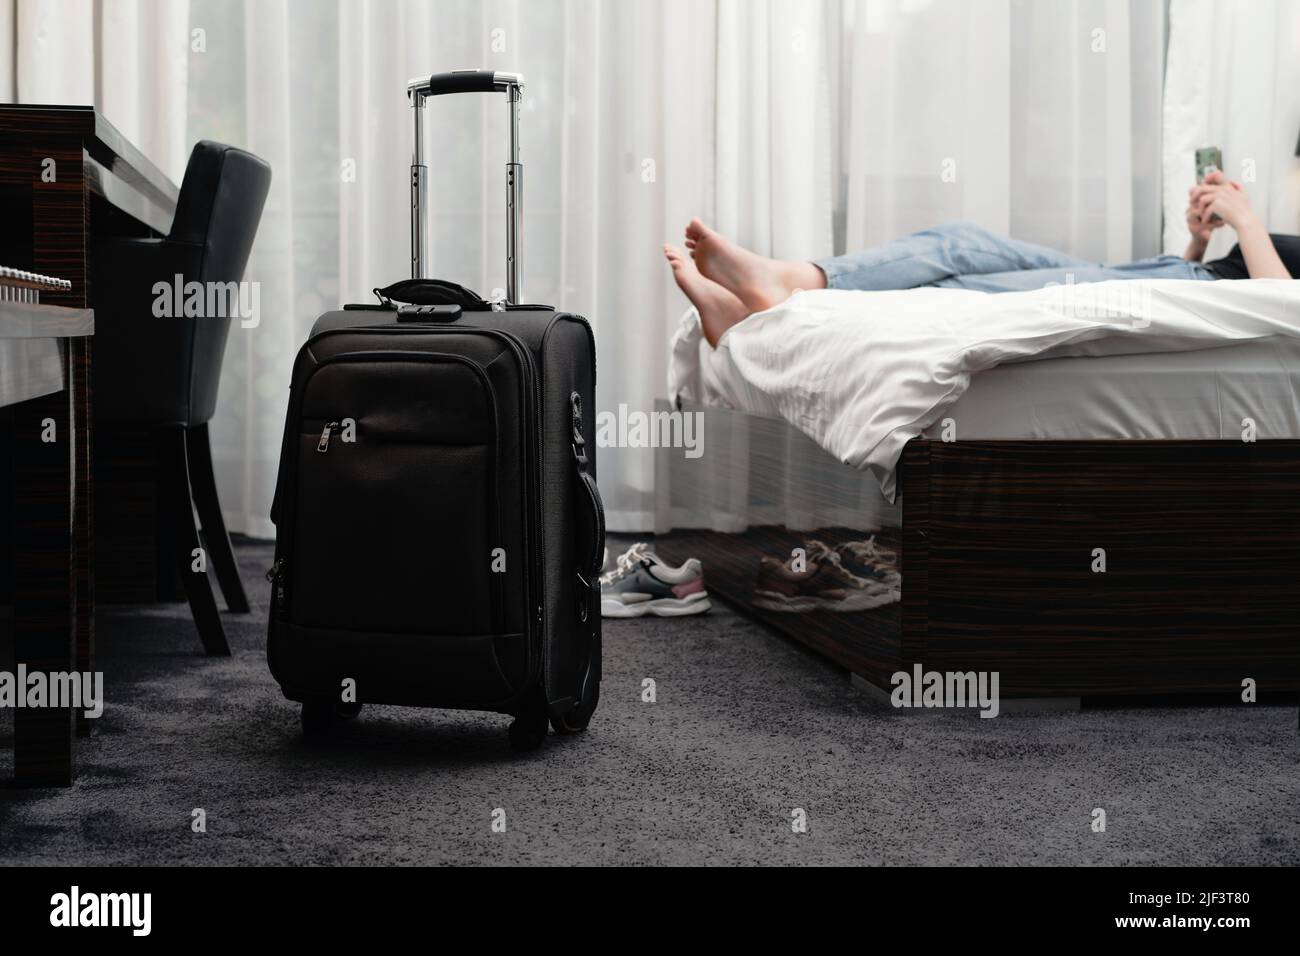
x=863, y=373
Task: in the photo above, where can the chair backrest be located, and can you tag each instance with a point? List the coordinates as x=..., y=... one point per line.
x=161, y=371
x=220, y=206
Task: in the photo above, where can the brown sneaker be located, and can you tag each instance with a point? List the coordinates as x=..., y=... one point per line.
x=871, y=562
x=824, y=586
x=872, y=550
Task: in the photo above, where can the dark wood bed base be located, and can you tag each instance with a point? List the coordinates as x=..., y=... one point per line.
x=1201, y=588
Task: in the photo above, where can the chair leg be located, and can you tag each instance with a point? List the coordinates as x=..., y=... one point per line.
x=204, y=484
x=175, y=481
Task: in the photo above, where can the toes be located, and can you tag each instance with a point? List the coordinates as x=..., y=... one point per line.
x=696, y=229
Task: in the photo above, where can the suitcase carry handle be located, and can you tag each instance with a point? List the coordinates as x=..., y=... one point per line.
x=467, y=81
x=439, y=292
x=431, y=292
x=592, y=512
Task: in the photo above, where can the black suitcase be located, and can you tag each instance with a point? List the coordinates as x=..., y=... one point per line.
x=439, y=530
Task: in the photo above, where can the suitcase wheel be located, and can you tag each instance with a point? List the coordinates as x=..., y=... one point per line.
x=528, y=730
x=576, y=720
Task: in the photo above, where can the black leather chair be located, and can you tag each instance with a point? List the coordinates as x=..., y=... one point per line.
x=156, y=370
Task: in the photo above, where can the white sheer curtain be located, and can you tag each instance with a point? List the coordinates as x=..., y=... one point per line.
x=1040, y=120
x=802, y=127
x=1233, y=78
x=773, y=127
x=127, y=57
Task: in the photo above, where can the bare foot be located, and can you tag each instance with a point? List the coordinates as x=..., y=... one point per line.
x=757, y=281
x=719, y=309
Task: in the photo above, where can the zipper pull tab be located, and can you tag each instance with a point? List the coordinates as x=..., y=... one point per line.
x=276, y=577
x=324, y=444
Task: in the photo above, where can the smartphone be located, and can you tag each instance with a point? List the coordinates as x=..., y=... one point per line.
x=1209, y=159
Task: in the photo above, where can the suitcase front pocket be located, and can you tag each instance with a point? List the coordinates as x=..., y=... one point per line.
x=397, y=513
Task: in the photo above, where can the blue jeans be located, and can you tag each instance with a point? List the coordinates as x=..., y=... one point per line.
x=962, y=255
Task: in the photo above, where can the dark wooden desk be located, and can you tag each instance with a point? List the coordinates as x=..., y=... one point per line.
x=65, y=175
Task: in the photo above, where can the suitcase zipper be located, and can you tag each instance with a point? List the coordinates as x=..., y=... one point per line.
x=324, y=444
x=534, y=427
x=276, y=577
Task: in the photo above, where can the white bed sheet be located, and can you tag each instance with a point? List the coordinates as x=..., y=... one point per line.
x=864, y=372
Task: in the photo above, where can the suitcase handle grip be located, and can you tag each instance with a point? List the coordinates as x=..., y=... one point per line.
x=467, y=81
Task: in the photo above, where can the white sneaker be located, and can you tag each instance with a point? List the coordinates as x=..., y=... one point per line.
x=641, y=584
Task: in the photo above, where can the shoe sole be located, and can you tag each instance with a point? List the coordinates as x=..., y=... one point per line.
x=771, y=601
x=663, y=607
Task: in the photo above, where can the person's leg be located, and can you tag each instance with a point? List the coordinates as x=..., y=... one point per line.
x=1021, y=280
x=919, y=259
x=1161, y=267
x=719, y=310
x=926, y=257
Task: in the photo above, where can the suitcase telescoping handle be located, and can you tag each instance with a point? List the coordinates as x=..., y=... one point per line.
x=467, y=81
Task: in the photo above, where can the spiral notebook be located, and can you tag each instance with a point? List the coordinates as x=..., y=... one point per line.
x=18, y=285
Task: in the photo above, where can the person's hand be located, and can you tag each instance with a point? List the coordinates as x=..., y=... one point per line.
x=1201, y=229
x=1220, y=195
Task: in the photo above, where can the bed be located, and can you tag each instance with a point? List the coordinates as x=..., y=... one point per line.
x=1182, y=470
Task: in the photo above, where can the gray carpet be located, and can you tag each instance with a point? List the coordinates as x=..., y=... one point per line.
x=747, y=726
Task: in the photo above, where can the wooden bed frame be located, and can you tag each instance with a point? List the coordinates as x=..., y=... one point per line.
x=999, y=540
